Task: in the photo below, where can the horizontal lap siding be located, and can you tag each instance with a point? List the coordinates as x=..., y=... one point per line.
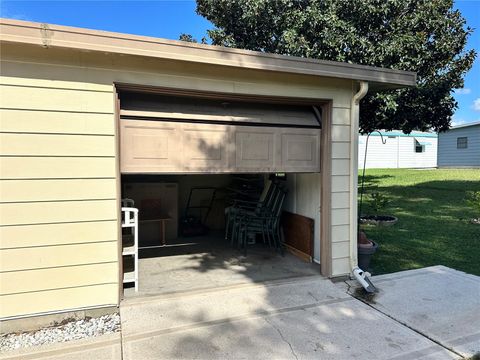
x=56, y=145
x=57, y=212
x=18, y=167
x=24, y=236
x=58, y=190
x=43, y=257
x=59, y=299
x=341, y=192
x=16, y=282
x=449, y=155
x=50, y=122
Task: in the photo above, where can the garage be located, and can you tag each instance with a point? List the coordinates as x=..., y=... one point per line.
x=194, y=156
x=91, y=118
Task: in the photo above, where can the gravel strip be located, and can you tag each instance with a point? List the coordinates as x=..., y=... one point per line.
x=73, y=330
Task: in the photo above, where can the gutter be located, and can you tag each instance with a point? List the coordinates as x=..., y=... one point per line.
x=354, y=126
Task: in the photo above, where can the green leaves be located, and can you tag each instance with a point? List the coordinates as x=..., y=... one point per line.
x=425, y=36
x=473, y=201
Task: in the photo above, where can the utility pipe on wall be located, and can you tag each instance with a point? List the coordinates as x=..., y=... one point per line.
x=354, y=128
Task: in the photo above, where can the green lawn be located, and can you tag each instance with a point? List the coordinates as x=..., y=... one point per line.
x=433, y=226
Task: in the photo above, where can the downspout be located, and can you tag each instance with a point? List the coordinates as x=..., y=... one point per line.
x=354, y=128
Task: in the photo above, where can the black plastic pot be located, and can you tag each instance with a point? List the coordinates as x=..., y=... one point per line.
x=365, y=255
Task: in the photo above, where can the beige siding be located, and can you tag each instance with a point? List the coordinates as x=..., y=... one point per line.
x=171, y=74
x=340, y=233
x=340, y=200
x=58, y=190
x=341, y=266
x=23, y=236
x=341, y=192
x=51, y=122
x=42, y=257
x=41, y=279
x=341, y=116
x=39, y=98
x=340, y=183
x=58, y=299
x=340, y=167
x=340, y=216
x=57, y=212
x=57, y=140
x=16, y=167
x=56, y=145
x=339, y=249
x=341, y=150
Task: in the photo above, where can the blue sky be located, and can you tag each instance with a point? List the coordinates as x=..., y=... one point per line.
x=168, y=19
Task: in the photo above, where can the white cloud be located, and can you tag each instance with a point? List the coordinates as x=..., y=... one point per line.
x=463, y=91
x=476, y=104
x=456, y=122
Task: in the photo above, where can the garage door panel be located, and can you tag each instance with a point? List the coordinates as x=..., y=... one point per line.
x=149, y=146
x=300, y=151
x=254, y=149
x=205, y=148
x=179, y=147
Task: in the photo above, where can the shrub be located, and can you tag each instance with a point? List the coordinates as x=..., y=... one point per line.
x=378, y=201
x=473, y=200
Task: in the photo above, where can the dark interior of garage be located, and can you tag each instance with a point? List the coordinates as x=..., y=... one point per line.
x=191, y=233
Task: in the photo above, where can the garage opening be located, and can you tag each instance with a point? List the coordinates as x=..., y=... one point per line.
x=187, y=162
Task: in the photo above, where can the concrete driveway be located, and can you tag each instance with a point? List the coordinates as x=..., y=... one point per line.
x=306, y=318
x=431, y=313
x=438, y=302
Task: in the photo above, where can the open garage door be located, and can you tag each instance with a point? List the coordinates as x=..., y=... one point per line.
x=173, y=134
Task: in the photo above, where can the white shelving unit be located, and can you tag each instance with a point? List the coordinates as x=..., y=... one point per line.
x=130, y=243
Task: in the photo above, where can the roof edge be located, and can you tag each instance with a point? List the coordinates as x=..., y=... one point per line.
x=475, y=123
x=47, y=35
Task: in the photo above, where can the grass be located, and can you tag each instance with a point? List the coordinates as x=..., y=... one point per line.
x=433, y=226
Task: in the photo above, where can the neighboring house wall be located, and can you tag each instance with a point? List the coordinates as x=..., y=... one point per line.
x=59, y=180
x=448, y=153
x=379, y=155
x=408, y=158
x=398, y=151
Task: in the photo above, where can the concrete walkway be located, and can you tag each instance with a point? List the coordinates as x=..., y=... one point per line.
x=106, y=347
x=441, y=303
x=431, y=313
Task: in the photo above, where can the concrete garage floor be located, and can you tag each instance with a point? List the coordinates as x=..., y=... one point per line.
x=210, y=262
x=431, y=313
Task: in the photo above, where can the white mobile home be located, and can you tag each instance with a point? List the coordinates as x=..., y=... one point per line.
x=395, y=149
x=460, y=146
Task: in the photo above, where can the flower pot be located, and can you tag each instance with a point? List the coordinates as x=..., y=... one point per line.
x=365, y=254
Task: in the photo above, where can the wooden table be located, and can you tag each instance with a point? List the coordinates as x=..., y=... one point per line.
x=161, y=220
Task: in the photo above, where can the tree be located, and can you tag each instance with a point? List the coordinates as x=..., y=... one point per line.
x=426, y=36
x=191, y=39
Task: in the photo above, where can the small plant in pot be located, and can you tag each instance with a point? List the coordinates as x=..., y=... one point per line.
x=378, y=202
x=473, y=201
x=366, y=248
